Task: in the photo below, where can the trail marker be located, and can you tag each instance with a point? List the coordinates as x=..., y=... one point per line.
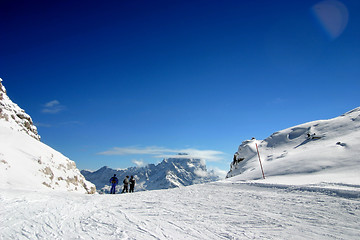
x=257, y=149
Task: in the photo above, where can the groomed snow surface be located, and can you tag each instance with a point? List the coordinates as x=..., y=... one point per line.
x=228, y=209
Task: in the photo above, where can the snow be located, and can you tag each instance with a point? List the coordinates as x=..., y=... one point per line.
x=25, y=162
x=332, y=155
x=228, y=209
x=170, y=173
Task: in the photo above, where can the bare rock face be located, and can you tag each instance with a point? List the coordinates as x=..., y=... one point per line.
x=15, y=116
x=2, y=90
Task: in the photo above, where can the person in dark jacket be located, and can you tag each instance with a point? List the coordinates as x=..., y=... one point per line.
x=132, y=184
x=126, y=184
x=114, y=181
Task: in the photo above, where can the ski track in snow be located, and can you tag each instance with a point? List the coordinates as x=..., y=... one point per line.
x=219, y=210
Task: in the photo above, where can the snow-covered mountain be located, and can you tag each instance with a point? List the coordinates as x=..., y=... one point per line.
x=15, y=117
x=319, y=151
x=25, y=162
x=170, y=173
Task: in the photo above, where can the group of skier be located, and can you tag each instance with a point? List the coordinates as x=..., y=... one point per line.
x=114, y=181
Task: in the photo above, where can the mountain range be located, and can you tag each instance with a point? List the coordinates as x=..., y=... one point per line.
x=170, y=173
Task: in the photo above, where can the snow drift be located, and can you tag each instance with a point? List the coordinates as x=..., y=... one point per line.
x=170, y=173
x=319, y=151
x=25, y=162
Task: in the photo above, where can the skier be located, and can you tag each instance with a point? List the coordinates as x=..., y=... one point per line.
x=132, y=184
x=126, y=184
x=114, y=181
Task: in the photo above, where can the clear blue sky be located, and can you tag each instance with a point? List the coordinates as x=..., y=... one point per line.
x=151, y=78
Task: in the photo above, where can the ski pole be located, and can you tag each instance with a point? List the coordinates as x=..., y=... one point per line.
x=257, y=149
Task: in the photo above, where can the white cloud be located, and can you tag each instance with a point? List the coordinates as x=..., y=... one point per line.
x=119, y=169
x=209, y=155
x=53, y=107
x=139, y=163
x=219, y=172
x=52, y=103
x=161, y=152
x=135, y=150
x=201, y=173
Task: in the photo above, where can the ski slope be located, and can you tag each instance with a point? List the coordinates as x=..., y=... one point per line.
x=227, y=209
x=318, y=151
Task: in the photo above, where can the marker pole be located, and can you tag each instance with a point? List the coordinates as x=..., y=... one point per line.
x=257, y=149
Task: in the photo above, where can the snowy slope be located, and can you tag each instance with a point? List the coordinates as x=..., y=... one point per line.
x=228, y=209
x=332, y=155
x=170, y=173
x=26, y=163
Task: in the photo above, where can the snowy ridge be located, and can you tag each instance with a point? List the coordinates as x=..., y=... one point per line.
x=315, y=152
x=170, y=173
x=15, y=117
x=26, y=163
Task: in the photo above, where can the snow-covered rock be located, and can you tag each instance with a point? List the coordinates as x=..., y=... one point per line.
x=14, y=116
x=320, y=151
x=170, y=173
x=26, y=163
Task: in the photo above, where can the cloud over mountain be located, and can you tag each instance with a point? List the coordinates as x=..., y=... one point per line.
x=161, y=152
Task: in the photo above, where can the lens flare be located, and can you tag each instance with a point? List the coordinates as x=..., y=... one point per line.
x=332, y=16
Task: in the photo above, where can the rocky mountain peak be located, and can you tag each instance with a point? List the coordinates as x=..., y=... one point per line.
x=170, y=173
x=2, y=89
x=15, y=117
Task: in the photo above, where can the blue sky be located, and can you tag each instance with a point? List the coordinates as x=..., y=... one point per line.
x=118, y=83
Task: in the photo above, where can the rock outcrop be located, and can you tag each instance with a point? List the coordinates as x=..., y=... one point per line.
x=17, y=118
x=27, y=163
